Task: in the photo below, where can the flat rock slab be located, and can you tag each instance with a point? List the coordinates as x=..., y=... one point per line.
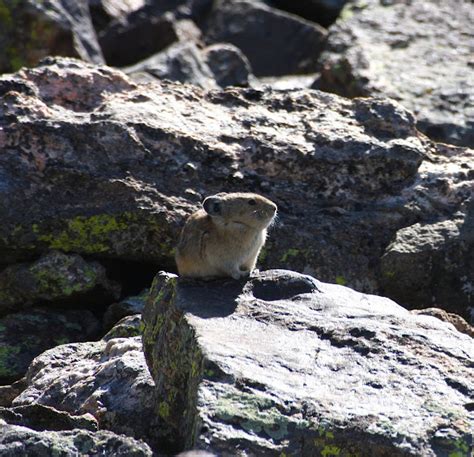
x=287, y=365
x=417, y=52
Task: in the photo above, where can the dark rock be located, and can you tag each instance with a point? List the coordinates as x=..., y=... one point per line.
x=31, y=30
x=111, y=170
x=105, y=11
x=55, y=278
x=416, y=52
x=324, y=12
x=218, y=65
x=182, y=62
x=40, y=418
x=431, y=264
x=145, y=32
x=126, y=307
x=25, y=335
x=229, y=66
x=10, y=392
x=108, y=379
x=16, y=441
x=275, y=43
x=305, y=369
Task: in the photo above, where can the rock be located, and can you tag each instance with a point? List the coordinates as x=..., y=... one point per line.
x=55, y=278
x=229, y=66
x=31, y=30
x=418, y=53
x=108, y=379
x=459, y=323
x=218, y=65
x=338, y=169
x=125, y=328
x=324, y=12
x=40, y=418
x=126, y=307
x=16, y=441
x=432, y=264
x=145, y=32
x=285, y=364
x=105, y=11
x=26, y=334
x=286, y=43
x=10, y=392
x=182, y=62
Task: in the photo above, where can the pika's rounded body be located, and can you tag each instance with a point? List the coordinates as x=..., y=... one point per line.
x=225, y=237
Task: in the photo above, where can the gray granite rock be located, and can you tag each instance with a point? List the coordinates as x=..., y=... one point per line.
x=108, y=379
x=17, y=441
x=417, y=52
x=284, y=364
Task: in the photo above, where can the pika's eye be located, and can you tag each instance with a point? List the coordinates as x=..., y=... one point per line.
x=252, y=202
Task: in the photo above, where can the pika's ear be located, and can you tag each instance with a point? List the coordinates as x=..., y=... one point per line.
x=212, y=206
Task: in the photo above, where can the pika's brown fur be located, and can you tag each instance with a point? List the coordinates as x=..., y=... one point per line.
x=225, y=237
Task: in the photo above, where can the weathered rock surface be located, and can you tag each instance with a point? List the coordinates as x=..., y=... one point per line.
x=94, y=164
x=55, y=277
x=31, y=30
x=459, y=323
x=215, y=66
x=26, y=334
x=108, y=379
x=286, y=364
x=419, y=53
x=275, y=42
x=127, y=327
x=17, y=441
x=432, y=263
x=40, y=418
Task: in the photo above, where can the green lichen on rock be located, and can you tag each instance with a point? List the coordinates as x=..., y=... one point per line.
x=90, y=235
x=255, y=414
x=53, y=277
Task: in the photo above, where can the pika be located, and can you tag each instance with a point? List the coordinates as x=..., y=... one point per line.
x=224, y=238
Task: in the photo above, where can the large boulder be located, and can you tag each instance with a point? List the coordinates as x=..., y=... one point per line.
x=286, y=365
x=417, y=52
x=31, y=30
x=55, y=278
x=275, y=42
x=108, y=379
x=26, y=334
x=94, y=164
